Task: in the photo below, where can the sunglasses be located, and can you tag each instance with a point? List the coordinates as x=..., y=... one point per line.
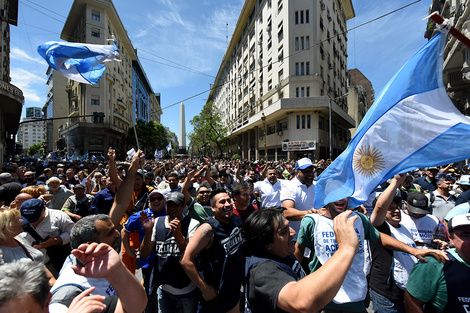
x=204, y=192
x=156, y=199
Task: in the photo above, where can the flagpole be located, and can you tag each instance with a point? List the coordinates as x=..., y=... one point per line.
x=453, y=31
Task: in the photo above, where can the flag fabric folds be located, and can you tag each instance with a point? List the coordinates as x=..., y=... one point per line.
x=78, y=61
x=131, y=153
x=412, y=124
x=93, y=157
x=158, y=154
x=168, y=147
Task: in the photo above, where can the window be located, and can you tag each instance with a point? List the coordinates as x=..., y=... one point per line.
x=302, y=69
x=95, y=32
x=297, y=95
x=279, y=5
x=302, y=43
x=308, y=95
x=280, y=75
x=95, y=15
x=308, y=119
x=271, y=129
x=270, y=64
x=307, y=18
x=298, y=120
x=307, y=42
x=296, y=17
x=302, y=92
x=296, y=43
x=280, y=33
x=301, y=17
x=95, y=100
x=297, y=69
x=303, y=121
x=307, y=68
x=270, y=84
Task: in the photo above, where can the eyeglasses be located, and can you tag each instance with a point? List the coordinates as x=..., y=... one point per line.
x=156, y=199
x=204, y=192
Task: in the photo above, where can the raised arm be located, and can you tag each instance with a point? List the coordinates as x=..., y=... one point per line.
x=315, y=290
x=124, y=193
x=147, y=246
x=102, y=261
x=112, y=173
x=385, y=199
x=185, y=187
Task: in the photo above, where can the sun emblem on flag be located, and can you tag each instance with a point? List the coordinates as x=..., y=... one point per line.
x=368, y=161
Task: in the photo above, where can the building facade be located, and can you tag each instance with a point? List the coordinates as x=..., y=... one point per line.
x=284, y=71
x=361, y=95
x=456, y=69
x=11, y=97
x=122, y=94
x=31, y=131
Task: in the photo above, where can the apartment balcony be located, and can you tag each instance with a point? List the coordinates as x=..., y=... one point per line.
x=121, y=116
x=74, y=111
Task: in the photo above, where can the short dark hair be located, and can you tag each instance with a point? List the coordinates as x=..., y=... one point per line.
x=259, y=229
x=173, y=174
x=216, y=192
x=238, y=188
x=85, y=230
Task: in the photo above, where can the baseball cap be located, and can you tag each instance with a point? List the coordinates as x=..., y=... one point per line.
x=433, y=168
x=160, y=192
x=418, y=203
x=303, y=164
x=458, y=221
x=464, y=180
x=175, y=197
x=31, y=210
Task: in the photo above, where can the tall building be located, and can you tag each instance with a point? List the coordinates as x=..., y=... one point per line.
x=31, y=131
x=11, y=97
x=456, y=69
x=285, y=66
x=361, y=95
x=123, y=92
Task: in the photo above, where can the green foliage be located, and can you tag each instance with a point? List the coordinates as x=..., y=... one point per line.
x=208, y=136
x=151, y=136
x=236, y=156
x=36, y=149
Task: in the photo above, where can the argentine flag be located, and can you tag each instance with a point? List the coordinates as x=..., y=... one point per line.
x=78, y=61
x=412, y=124
x=158, y=154
x=168, y=147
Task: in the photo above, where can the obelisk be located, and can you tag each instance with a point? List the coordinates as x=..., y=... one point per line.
x=182, y=134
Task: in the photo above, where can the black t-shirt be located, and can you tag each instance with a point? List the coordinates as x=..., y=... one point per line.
x=266, y=279
x=381, y=275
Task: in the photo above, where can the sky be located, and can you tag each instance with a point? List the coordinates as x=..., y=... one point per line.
x=170, y=35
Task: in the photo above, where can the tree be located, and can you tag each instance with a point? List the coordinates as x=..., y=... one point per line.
x=208, y=133
x=36, y=149
x=151, y=136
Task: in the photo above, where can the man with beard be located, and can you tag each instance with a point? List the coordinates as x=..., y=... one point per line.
x=198, y=209
x=297, y=196
x=59, y=195
x=30, y=179
x=220, y=270
x=167, y=237
x=269, y=189
x=317, y=234
x=94, y=228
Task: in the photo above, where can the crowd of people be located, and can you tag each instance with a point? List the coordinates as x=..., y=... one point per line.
x=228, y=235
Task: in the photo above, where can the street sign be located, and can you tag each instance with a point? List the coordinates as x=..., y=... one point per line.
x=298, y=145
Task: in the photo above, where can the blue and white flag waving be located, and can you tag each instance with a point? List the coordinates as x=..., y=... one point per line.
x=158, y=154
x=93, y=157
x=78, y=61
x=168, y=147
x=412, y=124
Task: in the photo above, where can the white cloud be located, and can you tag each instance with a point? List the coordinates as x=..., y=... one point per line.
x=31, y=84
x=19, y=54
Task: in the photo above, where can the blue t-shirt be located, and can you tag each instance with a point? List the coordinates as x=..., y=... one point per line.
x=133, y=224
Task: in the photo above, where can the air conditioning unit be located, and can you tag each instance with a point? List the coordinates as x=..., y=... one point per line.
x=276, y=86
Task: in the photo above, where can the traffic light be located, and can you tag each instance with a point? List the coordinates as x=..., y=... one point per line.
x=98, y=117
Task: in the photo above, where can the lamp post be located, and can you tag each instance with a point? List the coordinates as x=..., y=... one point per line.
x=263, y=118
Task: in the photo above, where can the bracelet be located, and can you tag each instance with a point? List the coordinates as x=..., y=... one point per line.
x=179, y=244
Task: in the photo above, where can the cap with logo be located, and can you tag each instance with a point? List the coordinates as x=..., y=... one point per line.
x=418, y=203
x=303, y=164
x=31, y=210
x=458, y=221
